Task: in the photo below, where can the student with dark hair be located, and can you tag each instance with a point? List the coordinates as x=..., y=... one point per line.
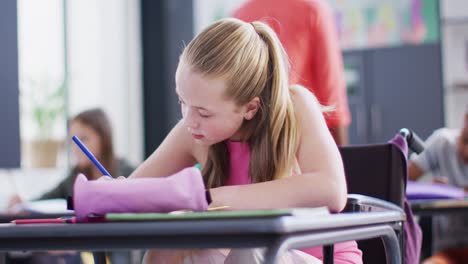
x=95, y=131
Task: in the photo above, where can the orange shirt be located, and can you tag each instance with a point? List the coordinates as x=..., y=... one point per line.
x=307, y=31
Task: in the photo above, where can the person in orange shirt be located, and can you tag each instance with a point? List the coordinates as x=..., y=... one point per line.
x=306, y=28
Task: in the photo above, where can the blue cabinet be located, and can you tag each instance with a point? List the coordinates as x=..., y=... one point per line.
x=391, y=88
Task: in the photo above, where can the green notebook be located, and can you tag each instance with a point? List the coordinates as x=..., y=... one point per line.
x=310, y=212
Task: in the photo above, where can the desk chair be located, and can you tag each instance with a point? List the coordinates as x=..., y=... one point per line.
x=379, y=171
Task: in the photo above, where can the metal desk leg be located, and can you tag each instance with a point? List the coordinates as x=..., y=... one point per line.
x=425, y=222
x=99, y=257
x=273, y=252
x=328, y=254
x=302, y=240
x=391, y=244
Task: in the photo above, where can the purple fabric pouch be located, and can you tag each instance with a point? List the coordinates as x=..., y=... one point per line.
x=411, y=230
x=182, y=190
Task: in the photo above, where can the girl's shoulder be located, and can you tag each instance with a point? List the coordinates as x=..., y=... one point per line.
x=303, y=99
x=443, y=138
x=308, y=111
x=300, y=93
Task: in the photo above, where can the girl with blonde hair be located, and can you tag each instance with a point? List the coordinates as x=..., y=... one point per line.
x=261, y=143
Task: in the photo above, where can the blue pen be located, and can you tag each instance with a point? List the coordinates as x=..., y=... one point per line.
x=90, y=156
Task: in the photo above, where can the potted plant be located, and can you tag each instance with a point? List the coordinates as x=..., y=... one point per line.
x=43, y=113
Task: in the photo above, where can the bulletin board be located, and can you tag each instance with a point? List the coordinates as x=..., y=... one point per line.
x=378, y=23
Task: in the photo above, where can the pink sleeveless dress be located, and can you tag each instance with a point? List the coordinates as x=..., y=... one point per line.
x=239, y=153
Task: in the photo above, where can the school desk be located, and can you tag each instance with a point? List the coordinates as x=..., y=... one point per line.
x=276, y=233
x=427, y=208
x=430, y=207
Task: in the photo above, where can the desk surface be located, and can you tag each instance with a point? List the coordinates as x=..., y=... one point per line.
x=275, y=233
x=114, y=235
x=439, y=206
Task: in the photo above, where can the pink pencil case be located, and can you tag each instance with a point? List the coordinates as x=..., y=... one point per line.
x=182, y=190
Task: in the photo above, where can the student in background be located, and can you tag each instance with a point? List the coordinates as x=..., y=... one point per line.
x=446, y=158
x=95, y=131
x=307, y=31
x=262, y=143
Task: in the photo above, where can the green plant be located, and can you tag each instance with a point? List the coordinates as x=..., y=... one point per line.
x=43, y=103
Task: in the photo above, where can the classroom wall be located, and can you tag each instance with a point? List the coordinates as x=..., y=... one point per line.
x=9, y=109
x=166, y=27
x=454, y=29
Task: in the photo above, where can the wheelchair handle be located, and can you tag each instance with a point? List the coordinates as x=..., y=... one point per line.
x=415, y=143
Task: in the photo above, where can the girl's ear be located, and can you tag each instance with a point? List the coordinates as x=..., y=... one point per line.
x=252, y=108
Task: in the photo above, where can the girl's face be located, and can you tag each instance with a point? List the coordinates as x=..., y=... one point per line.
x=90, y=139
x=208, y=116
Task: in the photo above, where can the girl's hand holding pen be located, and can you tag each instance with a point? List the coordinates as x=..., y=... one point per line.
x=104, y=178
x=107, y=178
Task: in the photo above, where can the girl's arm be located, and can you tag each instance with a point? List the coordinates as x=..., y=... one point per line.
x=173, y=155
x=322, y=182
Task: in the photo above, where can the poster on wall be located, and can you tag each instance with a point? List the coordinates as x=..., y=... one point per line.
x=360, y=24
x=379, y=23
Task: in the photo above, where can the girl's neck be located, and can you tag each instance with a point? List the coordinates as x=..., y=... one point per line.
x=239, y=136
x=236, y=141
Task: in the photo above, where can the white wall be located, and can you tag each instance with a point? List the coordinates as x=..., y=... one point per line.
x=105, y=67
x=41, y=59
x=207, y=11
x=455, y=51
x=454, y=8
